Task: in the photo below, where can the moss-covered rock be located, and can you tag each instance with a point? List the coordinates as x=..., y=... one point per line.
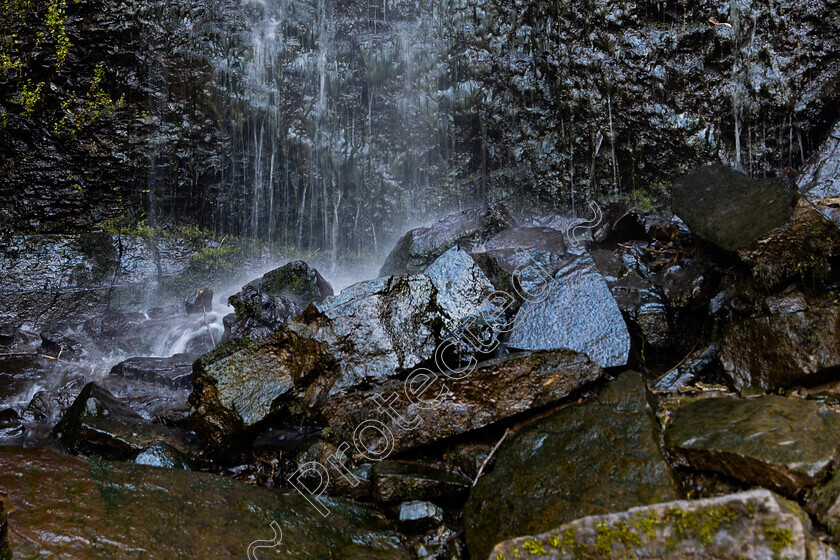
x=74, y=508
x=588, y=459
x=777, y=442
x=753, y=525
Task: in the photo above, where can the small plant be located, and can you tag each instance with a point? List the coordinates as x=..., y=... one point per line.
x=56, y=22
x=96, y=105
x=29, y=97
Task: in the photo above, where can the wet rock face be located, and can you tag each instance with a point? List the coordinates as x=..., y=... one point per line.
x=579, y=313
x=237, y=385
x=538, y=238
x=782, y=350
x=753, y=525
x=88, y=510
x=419, y=248
x=174, y=372
x=462, y=288
x=276, y=298
x=199, y=301
x=589, y=459
x=100, y=425
x=428, y=408
x=727, y=208
x=376, y=328
x=776, y=442
x=819, y=179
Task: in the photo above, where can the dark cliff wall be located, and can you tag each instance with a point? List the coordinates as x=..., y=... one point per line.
x=333, y=123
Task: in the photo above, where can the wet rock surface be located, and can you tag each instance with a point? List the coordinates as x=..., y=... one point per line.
x=753, y=525
x=429, y=408
x=174, y=372
x=396, y=481
x=777, y=442
x=728, y=208
x=586, y=459
x=420, y=247
x=199, y=301
x=783, y=349
x=88, y=509
x=819, y=179
x=275, y=299
x=100, y=425
x=578, y=313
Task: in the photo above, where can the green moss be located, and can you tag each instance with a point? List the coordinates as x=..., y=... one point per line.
x=96, y=105
x=29, y=96
x=777, y=538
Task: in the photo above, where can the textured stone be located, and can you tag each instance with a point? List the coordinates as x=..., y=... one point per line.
x=174, y=372
x=777, y=442
x=579, y=313
x=69, y=507
x=754, y=525
x=819, y=179
x=419, y=248
x=782, y=350
x=199, y=301
x=395, y=481
x=592, y=458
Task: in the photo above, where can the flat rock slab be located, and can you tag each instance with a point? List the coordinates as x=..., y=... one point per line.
x=772, y=441
x=594, y=458
x=819, y=180
x=580, y=313
x=395, y=481
x=782, y=350
x=754, y=525
x=174, y=372
x=729, y=209
x=67, y=507
x=495, y=390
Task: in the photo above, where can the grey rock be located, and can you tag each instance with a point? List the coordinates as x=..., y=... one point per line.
x=418, y=515
x=419, y=248
x=579, y=313
x=164, y=456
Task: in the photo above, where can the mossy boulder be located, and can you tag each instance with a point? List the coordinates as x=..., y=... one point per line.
x=777, y=442
x=69, y=507
x=754, y=525
x=279, y=295
x=593, y=458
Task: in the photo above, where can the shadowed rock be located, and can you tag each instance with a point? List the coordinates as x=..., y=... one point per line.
x=754, y=525
x=728, y=208
x=70, y=507
x=419, y=248
x=395, y=481
x=777, y=442
x=98, y=424
x=580, y=313
x=593, y=458
x=782, y=350
x=199, y=301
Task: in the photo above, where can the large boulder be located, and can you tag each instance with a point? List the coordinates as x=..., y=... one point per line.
x=419, y=248
x=729, y=209
x=98, y=424
x=754, y=525
x=819, y=180
x=776, y=442
x=588, y=459
x=494, y=390
x=277, y=297
x=579, y=313
x=69, y=507
x=782, y=350
x=240, y=383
